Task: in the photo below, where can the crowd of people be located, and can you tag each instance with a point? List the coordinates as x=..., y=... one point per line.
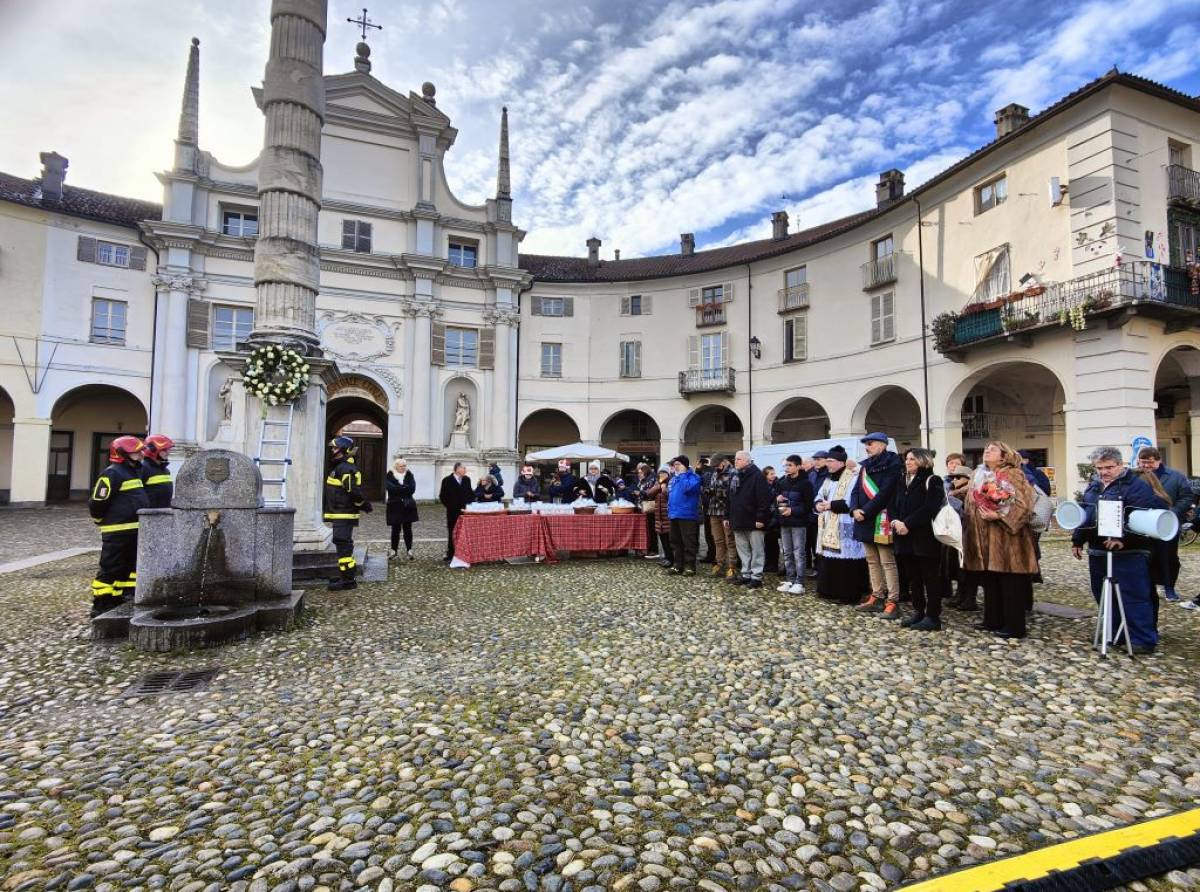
x=875, y=534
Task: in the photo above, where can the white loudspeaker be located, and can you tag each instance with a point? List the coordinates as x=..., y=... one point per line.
x=1056, y=192
x=1070, y=515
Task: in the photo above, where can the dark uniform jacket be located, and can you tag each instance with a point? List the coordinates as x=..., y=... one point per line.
x=157, y=480
x=343, y=492
x=456, y=494
x=116, y=498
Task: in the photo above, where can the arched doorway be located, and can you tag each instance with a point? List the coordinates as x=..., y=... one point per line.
x=7, y=414
x=83, y=424
x=1021, y=404
x=797, y=420
x=635, y=434
x=894, y=411
x=545, y=429
x=357, y=408
x=1174, y=401
x=711, y=429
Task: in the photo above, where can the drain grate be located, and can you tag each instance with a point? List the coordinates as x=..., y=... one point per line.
x=157, y=683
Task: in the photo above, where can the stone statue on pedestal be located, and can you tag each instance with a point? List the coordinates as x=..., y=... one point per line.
x=462, y=415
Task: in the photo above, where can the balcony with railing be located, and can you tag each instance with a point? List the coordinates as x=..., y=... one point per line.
x=1138, y=287
x=1183, y=185
x=879, y=272
x=793, y=298
x=710, y=314
x=715, y=380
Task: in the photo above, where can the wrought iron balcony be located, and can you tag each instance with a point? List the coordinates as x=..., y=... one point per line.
x=975, y=426
x=710, y=314
x=1183, y=184
x=879, y=272
x=793, y=298
x=1140, y=286
x=718, y=380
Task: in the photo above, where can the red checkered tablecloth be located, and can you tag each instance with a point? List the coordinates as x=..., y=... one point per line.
x=494, y=537
x=597, y=532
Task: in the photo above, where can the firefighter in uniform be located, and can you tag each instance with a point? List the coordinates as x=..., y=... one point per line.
x=116, y=498
x=343, y=501
x=155, y=475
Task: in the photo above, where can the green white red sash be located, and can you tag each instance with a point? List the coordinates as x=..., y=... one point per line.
x=883, y=528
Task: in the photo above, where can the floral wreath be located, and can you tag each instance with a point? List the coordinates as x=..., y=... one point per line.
x=276, y=375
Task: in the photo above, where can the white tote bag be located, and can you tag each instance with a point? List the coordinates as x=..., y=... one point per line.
x=947, y=528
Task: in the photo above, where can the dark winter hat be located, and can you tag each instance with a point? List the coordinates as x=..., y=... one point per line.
x=716, y=459
x=876, y=435
x=820, y=453
x=683, y=460
x=837, y=453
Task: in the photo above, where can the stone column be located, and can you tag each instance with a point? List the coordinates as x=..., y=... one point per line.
x=944, y=439
x=421, y=423
x=30, y=441
x=501, y=438
x=286, y=257
x=172, y=417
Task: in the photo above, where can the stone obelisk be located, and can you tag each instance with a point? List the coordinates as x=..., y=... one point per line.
x=287, y=261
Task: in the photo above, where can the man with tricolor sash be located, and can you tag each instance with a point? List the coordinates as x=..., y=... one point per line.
x=880, y=474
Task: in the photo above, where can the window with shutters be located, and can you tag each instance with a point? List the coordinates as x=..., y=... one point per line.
x=111, y=254
x=990, y=194
x=240, y=222
x=231, y=326
x=551, y=360
x=462, y=347
x=795, y=338
x=710, y=303
x=553, y=306
x=631, y=359
x=464, y=253
x=993, y=274
x=883, y=317
x=356, y=236
x=108, y=321
x=712, y=353
x=635, y=305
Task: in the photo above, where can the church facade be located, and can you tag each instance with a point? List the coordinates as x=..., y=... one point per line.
x=1043, y=290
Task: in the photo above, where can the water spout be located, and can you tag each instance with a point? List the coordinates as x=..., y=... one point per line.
x=214, y=518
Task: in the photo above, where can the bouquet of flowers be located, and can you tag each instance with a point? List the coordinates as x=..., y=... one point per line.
x=993, y=492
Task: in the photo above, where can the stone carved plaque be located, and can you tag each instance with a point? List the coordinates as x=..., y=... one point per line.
x=356, y=336
x=216, y=470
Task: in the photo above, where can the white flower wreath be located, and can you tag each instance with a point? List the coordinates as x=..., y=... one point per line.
x=276, y=375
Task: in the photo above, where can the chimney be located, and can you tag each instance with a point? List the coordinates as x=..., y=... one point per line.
x=593, y=251
x=889, y=188
x=1011, y=117
x=54, y=171
x=616, y=253
x=687, y=244
x=779, y=225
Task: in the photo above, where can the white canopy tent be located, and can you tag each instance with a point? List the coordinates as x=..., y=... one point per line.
x=577, y=452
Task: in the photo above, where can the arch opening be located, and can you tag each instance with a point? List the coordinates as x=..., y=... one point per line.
x=797, y=420
x=633, y=433
x=7, y=415
x=892, y=410
x=711, y=429
x=358, y=408
x=1175, y=398
x=83, y=423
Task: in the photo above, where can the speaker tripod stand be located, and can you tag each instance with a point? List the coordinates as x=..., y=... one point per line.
x=1110, y=593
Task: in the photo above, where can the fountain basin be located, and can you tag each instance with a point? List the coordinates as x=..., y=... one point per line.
x=163, y=629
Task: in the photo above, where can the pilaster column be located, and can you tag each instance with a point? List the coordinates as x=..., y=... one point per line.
x=420, y=424
x=174, y=395
x=408, y=329
x=944, y=439
x=31, y=442
x=505, y=320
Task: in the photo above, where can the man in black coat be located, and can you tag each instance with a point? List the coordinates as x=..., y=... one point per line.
x=456, y=494
x=749, y=511
x=877, y=481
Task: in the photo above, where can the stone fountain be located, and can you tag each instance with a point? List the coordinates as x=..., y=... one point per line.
x=214, y=566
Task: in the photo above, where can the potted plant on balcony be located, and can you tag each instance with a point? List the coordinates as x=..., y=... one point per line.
x=1101, y=300
x=942, y=329
x=1028, y=319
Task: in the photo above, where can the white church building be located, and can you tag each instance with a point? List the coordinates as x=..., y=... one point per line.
x=1043, y=290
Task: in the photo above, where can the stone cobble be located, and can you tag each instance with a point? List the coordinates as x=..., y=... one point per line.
x=586, y=726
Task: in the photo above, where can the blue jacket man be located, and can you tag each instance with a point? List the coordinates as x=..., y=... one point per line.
x=1131, y=553
x=1179, y=491
x=683, y=511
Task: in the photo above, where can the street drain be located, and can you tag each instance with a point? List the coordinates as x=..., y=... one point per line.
x=158, y=683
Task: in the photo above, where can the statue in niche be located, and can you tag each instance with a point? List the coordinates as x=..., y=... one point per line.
x=462, y=414
x=225, y=395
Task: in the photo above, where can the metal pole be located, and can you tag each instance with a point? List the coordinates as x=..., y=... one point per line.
x=924, y=327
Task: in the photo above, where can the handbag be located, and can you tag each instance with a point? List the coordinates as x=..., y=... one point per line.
x=1043, y=509
x=947, y=525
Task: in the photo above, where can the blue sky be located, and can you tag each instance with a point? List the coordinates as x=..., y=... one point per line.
x=632, y=121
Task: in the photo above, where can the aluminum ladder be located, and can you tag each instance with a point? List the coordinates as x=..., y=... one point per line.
x=275, y=454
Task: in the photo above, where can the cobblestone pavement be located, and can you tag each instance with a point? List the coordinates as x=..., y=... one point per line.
x=587, y=726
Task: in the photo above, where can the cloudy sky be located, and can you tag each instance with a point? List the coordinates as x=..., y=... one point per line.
x=630, y=119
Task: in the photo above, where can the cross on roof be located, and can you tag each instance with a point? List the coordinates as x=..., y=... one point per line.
x=364, y=23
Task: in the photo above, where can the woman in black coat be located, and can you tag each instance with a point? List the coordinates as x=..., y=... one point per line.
x=915, y=503
x=401, y=506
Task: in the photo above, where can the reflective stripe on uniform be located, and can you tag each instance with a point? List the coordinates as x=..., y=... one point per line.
x=341, y=517
x=333, y=481
x=135, y=483
x=119, y=527
x=156, y=479
x=101, y=589
x=122, y=584
x=347, y=563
